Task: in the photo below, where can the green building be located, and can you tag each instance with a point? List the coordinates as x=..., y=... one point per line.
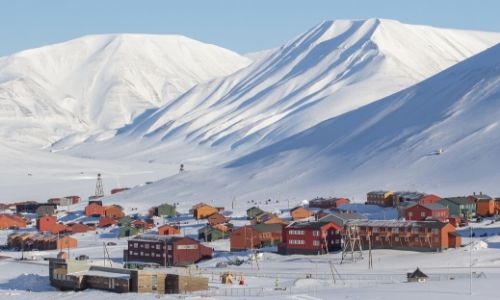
x=460, y=206
x=253, y=212
x=164, y=210
x=209, y=234
x=126, y=231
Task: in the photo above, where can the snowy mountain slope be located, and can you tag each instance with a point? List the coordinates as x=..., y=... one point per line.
x=389, y=144
x=100, y=82
x=333, y=68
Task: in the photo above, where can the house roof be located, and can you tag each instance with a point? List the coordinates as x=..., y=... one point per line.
x=267, y=227
x=159, y=238
x=417, y=274
x=434, y=206
x=459, y=200
x=308, y=224
x=378, y=192
x=397, y=223
x=345, y=216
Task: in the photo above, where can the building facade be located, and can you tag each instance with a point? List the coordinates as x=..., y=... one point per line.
x=164, y=250
x=310, y=238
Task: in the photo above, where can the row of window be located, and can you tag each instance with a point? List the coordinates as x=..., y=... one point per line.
x=397, y=239
x=147, y=254
x=396, y=230
x=150, y=246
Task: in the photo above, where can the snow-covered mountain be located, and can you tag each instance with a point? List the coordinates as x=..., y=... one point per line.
x=102, y=82
x=393, y=143
x=335, y=67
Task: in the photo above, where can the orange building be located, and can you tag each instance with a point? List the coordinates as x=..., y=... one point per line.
x=204, y=211
x=300, y=212
x=114, y=211
x=93, y=210
x=10, y=221
x=485, y=207
x=67, y=242
x=49, y=224
x=169, y=229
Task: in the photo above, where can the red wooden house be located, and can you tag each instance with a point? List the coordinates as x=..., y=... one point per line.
x=49, y=224
x=421, y=212
x=107, y=221
x=217, y=218
x=94, y=210
x=10, y=221
x=255, y=236
x=427, y=199
x=310, y=238
x=168, y=229
x=79, y=228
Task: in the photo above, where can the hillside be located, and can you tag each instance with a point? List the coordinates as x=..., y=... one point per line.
x=331, y=69
x=98, y=83
x=389, y=144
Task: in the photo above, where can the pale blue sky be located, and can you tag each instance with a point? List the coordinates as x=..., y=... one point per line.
x=240, y=25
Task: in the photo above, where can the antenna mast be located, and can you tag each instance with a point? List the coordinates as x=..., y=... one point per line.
x=99, y=191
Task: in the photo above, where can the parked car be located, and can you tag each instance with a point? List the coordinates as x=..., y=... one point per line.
x=110, y=244
x=82, y=257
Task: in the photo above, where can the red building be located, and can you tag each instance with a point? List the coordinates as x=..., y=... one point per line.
x=165, y=250
x=168, y=229
x=217, y=219
x=310, y=238
x=79, y=228
x=114, y=211
x=11, y=221
x=94, y=210
x=255, y=236
x=107, y=221
x=427, y=199
x=49, y=224
x=328, y=202
x=422, y=212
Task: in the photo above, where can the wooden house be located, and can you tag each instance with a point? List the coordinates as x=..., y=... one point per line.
x=406, y=235
x=217, y=218
x=342, y=218
x=204, y=211
x=169, y=229
x=106, y=222
x=128, y=230
x=380, y=198
x=114, y=211
x=50, y=224
x=94, y=210
x=254, y=211
x=326, y=203
x=299, y=213
x=310, y=238
x=46, y=210
x=79, y=228
x=212, y=233
x=460, y=206
x=255, y=236
x=422, y=212
x=164, y=210
x=182, y=251
x=417, y=276
x=10, y=221
x=485, y=205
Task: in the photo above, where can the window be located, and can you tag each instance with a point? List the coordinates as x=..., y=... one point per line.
x=136, y=245
x=142, y=253
x=395, y=230
x=414, y=230
x=315, y=243
x=435, y=231
x=422, y=214
x=375, y=229
x=416, y=239
x=386, y=238
x=146, y=246
x=377, y=238
x=316, y=233
x=410, y=214
x=158, y=247
x=396, y=239
x=436, y=239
